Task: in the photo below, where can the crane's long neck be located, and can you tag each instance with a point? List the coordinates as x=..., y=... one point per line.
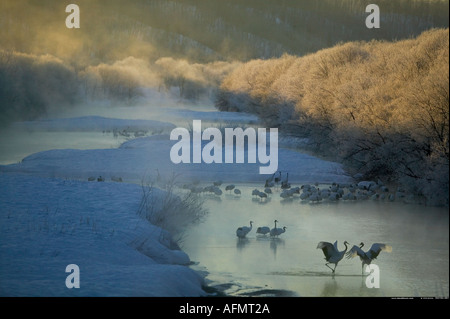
x=345, y=250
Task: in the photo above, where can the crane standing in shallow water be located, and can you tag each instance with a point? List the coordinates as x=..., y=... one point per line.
x=230, y=187
x=263, y=230
x=285, y=183
x=275, y=232
x=241, y=232
x=278, y=178
x=367, y=257
x=270, y=182
x=332, y=253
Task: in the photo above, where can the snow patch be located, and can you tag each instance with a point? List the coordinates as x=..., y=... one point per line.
x=47, y=224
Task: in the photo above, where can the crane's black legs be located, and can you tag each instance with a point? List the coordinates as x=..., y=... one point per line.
x=330, y=267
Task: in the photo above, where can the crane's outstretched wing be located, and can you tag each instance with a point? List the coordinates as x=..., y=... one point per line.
x=354, y=251
x=377, y=248
x=327, y=248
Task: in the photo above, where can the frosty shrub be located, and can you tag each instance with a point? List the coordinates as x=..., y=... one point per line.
x=171, y=210
x=30, y=85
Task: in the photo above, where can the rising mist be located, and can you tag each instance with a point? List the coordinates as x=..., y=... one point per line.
x=181, y=49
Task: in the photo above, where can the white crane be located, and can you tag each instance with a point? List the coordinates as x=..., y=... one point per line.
x=285, y=183
x=263, y=230
x=367, y=257
x=241, y=232
x=332, y=253
x=262, y=195
x=275, y=232
x=278, y=178
x=216, y=190
x=229, y=187
x=270, y=182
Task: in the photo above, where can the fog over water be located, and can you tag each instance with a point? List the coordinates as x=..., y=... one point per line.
x=21, y=139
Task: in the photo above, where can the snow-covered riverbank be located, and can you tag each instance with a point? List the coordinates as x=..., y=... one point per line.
x=47, y=224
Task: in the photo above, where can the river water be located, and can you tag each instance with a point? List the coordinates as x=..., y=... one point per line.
x=291, y=265
x=17, y=144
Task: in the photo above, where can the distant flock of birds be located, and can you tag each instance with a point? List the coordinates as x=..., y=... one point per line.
x=309, y=193
x=306, y=193
x=102, y=179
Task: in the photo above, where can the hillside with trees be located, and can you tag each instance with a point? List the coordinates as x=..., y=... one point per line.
x=183, y=48
x=381, y=108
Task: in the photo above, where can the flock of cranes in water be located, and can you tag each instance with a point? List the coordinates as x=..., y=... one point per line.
x=313, y=193
x=309, y=193
x=241, y=232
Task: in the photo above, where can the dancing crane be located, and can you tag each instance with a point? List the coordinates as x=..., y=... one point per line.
x=367, y=257
x=332, y=253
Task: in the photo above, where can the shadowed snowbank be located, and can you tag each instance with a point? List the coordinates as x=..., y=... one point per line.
x=47, y=224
